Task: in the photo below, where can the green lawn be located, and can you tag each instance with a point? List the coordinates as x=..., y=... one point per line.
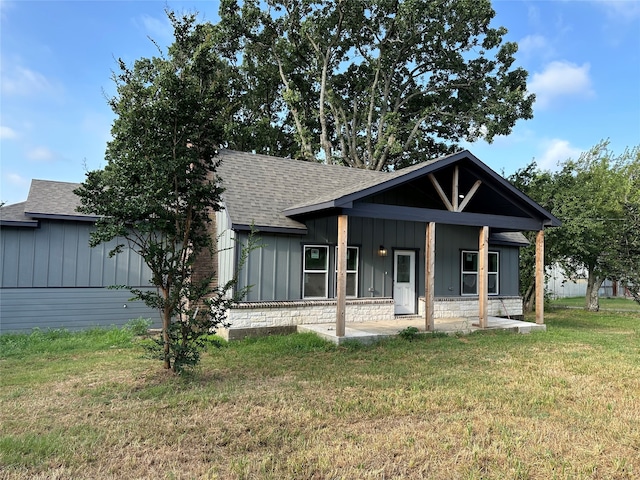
x=563, y=404
x=605, y=303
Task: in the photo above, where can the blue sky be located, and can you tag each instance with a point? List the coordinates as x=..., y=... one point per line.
x=583, y=59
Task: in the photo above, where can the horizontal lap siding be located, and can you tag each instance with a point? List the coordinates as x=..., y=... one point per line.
x=22, y=309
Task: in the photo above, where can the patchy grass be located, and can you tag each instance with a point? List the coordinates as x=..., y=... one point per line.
x=560, y=404
x=617, y=304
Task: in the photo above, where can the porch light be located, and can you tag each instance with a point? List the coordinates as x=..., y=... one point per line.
x=382, y=251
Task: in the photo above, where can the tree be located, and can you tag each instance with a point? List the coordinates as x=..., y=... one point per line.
x=597, y=198
x=378, y=84
x=589, y=201
x=157, y=190
x=626, y=262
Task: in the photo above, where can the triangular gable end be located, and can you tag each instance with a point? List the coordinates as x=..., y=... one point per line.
x=457, y=189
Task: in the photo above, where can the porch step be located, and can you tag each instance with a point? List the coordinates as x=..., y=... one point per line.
x=513, y=325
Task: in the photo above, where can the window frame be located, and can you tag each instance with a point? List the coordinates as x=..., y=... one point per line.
x=354, y=272
x=495, y=273
x=306, y=271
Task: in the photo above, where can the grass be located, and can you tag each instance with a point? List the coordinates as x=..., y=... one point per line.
x=619, y=304
x=560, y=404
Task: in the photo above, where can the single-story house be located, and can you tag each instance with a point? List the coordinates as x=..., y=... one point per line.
x=51, y=278
x=437, y=239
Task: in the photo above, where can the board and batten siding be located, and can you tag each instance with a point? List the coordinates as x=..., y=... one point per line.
x=225, y=248
x=275, y=270
x=51, y=278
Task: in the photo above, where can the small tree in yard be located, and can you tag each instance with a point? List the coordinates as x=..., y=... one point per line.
x=158, y=189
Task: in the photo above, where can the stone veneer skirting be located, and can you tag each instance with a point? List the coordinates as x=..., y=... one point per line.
x=448, y=307
x=255, y=318
x=298, y=312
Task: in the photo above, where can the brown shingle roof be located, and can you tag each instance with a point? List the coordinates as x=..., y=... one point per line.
x=260, y=187
x=53, y=199
x=277, y=184
x=14, y=215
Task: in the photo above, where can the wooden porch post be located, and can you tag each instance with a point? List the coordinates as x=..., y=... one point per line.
x=429, y=275
x=540, y=277
x=483, y=277
x=341, y=287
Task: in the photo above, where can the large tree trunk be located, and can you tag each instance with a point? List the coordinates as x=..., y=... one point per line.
x=593, y=285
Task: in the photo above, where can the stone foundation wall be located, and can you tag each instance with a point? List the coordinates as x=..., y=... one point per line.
x=449, y=307
x=261, y=318
x=267, y=316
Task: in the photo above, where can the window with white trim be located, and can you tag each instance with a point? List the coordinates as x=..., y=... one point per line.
x=469, y=276
x=352, y=272
x=315, y=271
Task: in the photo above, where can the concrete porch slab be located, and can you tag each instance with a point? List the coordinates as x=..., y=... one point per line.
x=369, y=332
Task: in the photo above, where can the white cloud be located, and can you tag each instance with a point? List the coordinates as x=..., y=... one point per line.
x=23, y=81
x=158, y=29
x=7, y=133
x=561, y=79
x=535, y=45
x=477, y=132
x=40, y=154
x=623, y=10
x=17, y=180
x=556, y=151
x=5, y=6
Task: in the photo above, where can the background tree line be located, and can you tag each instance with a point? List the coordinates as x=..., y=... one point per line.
x=597, y=198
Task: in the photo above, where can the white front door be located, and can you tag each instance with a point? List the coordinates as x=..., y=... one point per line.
x=404, y=281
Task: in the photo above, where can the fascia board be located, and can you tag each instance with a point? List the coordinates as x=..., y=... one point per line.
x=392, y=212
x=241, y=227
x=18, y=223
x=51, y=216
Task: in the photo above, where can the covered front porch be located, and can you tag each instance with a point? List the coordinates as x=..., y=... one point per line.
x=369, y=332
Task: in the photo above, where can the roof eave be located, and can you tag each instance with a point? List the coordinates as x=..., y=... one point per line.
x=54, y=216
x=294, y=211
x=242, y=227
x=19, y=223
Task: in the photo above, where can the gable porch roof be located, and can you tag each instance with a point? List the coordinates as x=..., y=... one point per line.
x=274, y=194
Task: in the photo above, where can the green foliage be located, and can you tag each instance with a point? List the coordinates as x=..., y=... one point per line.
x=158, y=191
x=139, y=326
x=409, y=333
x=372, y=83
x=596, y=198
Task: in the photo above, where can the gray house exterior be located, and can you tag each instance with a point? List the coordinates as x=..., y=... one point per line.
x=439, y=239
x=391, y=265
x=51, y=278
